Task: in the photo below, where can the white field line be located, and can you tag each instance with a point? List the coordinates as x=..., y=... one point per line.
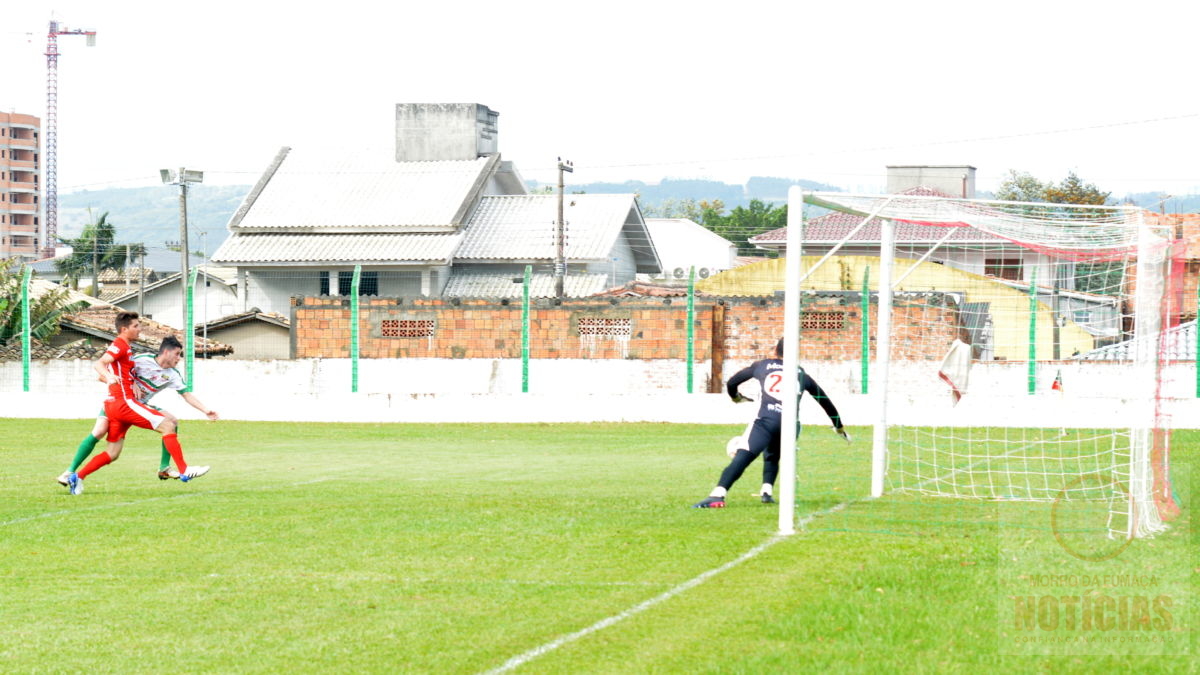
x=521, y=659
x=532, y=654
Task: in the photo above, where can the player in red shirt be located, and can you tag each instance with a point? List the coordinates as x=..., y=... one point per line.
x=123, y=409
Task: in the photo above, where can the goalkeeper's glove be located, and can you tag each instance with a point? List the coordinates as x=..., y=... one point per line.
x=841, y=431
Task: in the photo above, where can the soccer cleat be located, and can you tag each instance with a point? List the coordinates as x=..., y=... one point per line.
x=62, y=478
x=710, y=503
x=75, y=483
x=193, y=472
x=767, y=498
x=167, y=474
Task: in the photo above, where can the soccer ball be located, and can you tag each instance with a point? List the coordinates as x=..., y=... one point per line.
x=736, y=443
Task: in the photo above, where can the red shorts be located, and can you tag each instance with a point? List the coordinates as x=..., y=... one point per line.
x=123, y=414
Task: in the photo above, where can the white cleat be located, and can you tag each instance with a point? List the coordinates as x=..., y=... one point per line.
x=63, y=477
x=193, y=472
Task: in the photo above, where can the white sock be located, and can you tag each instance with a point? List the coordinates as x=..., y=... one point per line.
x=766, y=488
x=717, y=492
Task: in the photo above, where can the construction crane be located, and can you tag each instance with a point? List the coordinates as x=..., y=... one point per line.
x=56, y=29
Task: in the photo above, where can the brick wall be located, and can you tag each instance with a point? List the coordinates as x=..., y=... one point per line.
x=609, y=328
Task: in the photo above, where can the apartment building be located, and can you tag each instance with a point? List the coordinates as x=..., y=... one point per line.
x=20, y=189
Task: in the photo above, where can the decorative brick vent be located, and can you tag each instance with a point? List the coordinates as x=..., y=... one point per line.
x=605, y=328
x=406, y=328
x=823, y=321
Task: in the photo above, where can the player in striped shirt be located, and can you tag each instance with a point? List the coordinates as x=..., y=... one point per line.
x=123, y=409
x=151, y=375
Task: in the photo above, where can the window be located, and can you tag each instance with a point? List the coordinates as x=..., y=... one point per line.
x=406, y=328
x=368, y=283
x=822, y=321
x=608, y=328
x=1005, y=268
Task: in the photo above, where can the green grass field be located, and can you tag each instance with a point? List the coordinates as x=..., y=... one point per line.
x=456, y=548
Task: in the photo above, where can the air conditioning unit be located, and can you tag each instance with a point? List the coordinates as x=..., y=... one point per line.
x=703, y=272
x=680, y=273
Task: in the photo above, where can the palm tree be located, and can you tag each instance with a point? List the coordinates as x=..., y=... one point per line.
x=45, y=310
x=94, y=251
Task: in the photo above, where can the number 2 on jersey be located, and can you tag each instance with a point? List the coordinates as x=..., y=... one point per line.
x=772, y=384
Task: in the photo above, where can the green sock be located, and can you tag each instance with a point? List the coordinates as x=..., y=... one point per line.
x=164, y=462
x=85, y=448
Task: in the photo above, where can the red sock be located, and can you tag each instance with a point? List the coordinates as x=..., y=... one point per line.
x=98, y=461
x=173, y=447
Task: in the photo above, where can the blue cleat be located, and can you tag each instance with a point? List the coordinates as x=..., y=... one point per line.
x=193, y=472
x=75, y=483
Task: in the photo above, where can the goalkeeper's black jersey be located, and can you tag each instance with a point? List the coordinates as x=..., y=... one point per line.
x=769, y=373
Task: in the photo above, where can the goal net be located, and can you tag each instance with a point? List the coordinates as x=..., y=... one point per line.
x=1009, y=351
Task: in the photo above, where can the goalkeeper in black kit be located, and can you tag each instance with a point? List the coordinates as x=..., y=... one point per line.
x=764, y=433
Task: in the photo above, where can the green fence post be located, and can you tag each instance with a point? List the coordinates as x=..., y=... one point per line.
x=189, y=331
x=525, y=330
x=866, y=327
x=354, y=328
x=25, y=345
x=1033, y=302
x=691, y=329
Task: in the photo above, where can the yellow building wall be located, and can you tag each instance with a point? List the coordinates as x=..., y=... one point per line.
x=1009, y=307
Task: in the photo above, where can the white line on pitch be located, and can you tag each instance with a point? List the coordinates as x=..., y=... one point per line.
x=532, y=654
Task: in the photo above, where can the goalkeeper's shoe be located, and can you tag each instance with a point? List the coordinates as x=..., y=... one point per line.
x=193, y=472
x=167, y=474
x=75, y=483
x=62, y=478
x=768, y=499
x=710, y=503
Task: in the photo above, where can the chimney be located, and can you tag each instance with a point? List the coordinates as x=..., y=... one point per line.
x=954, y=180
x=445, y=131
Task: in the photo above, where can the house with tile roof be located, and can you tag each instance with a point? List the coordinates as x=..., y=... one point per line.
x=215, y=295
x=964, y=248
x=443, y=216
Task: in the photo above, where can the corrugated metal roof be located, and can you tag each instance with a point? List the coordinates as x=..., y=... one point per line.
x=361, y=190
x=260, y=247
x=682, y=241
x=540, y=285
x=1175, y=344
x=522, y=227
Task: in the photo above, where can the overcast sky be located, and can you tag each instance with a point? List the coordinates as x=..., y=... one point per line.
x=628, y=90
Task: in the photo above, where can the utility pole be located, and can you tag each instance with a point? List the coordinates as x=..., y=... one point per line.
x=142, y=283
x=560, y=260
x=182, y=179
x=51, y=226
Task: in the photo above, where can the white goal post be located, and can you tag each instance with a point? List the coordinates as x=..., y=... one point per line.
x=1030, y=290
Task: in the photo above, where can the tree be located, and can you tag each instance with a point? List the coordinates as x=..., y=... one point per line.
x=1103, y=277
x=1019, y=186
x=745, y=222
x=94, y=251
x=45, y=310
x=1072, y=190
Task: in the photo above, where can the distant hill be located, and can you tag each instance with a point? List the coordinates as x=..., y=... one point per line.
x=150, y=215
x=733, y=195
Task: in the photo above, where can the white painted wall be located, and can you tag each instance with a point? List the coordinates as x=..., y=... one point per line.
x=581, y=390
x=164, y=304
